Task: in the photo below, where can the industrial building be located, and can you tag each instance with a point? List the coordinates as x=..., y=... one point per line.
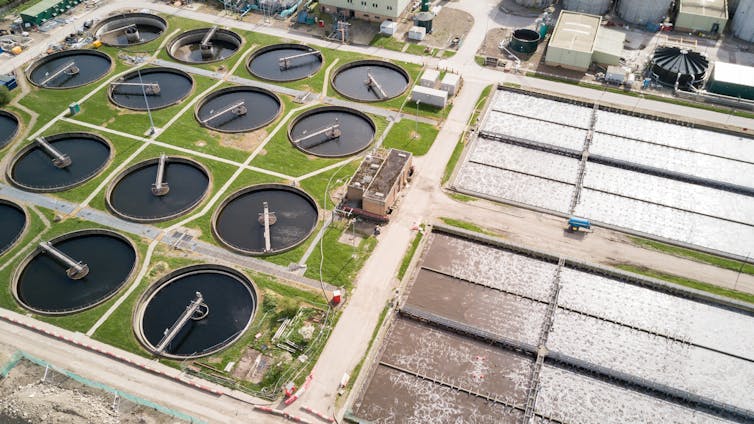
x=371, y=10
x=45, y=10
x=730, y=79
x=579, y=39
x=702, y=15
x=374, y=187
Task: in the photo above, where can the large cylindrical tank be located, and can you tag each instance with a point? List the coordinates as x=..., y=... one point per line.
x=743, y=20
x=524, y=40
x=534, y=3
x=671, y=65
x=643, y=11
x=732, y=6
x=594, y=7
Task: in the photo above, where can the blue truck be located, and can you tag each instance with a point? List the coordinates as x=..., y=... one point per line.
x=574, y=224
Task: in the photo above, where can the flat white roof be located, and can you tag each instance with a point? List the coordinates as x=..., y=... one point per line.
x=430, y=91
x=733, y=73
x=575, y=31
x=431, y=74
x=451, y=78
x=710, y=8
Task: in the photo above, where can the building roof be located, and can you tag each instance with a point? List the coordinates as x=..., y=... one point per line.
x=451, y=79
x=431, y=74
x=609, y=41
x=709, y=8
x=388, y=174
x=575, y=31
x=429, y=91
x=40, y=7
x=733, y=74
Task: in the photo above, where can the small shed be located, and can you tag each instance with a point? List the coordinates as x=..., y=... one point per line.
x=429, y=96
x=46, y=10
x=429, y=78
x=702, y=15
x=451, y=83
x=730, y=79
x=388, y=27
x=417, y=33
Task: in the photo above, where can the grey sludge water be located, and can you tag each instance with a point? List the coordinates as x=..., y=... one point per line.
x=356, y=132
x=261, y=108
x=173, y=87
x=91, y=67
x=351, y=82
x=266, y=64
x=8, y=128
x=12, y=223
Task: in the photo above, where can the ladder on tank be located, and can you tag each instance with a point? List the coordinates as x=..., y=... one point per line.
x=76, y=270
x=238, y=109
x=196, y=310
x=285, y=61
x=206, y=46
x=150, y=88
x=267, y=218
x=372, y=83
x=160, y=186
x=69, y=68
x=60, y=160
x=330, y=132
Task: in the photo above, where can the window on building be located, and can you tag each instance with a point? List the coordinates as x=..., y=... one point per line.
x=389, y=7
x=363, y=3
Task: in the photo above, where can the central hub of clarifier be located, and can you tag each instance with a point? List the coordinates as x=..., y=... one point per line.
x=69, y=69
x=155, y=88
x=204, y=45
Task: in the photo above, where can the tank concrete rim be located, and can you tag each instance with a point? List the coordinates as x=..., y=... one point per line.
x=13, y=136
x=173, y=276
x=279, y=46
x=78, y=233
x=22, y=233
x=147, y=71
x=258, y=187
x=37, y=63
x=234, y=89
x=175, y=159
x=29, y=146
x=365, y=62
x=140, y=18
x=195, y=35
x=321, y=109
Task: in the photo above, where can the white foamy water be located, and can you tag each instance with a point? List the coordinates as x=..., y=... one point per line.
x=576, y=398
x=696, y=370
x=514, y=186
x=544, y=109
x=695, y=322
x=535, y=130
x=524, y=160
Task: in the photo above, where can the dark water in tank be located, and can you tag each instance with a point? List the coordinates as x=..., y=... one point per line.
x=356, y=133
x=35, y=169
x=173, y=87
x=238, y=224
x=267, y=65
x=191, y=52
x=147, y=32
x=352, y=81
x=8, y=128
x=262, y=108
x=44, y=285
x=12, y=222
x=91, y=67
x=231, y=306
x=133, y=197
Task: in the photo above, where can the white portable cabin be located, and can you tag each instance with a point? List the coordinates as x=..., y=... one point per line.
x=429, y=78
x=451, y=83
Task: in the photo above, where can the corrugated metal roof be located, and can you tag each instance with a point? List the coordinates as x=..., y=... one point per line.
x=575, y=31
x=733, y=73
x=40, y=7
x=711, y=8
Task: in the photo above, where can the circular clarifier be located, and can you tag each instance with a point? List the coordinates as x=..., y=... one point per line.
x=155, y=88
x=133, y=194
x=187, y=47
x=238, y=109
x=370, y=80
x=8, y=127
x=12, y=224
x=239, y=222
x=130, y=29
x=46, y=284
x=69, y=69
x=224, y=311
x=331, y=131
x=36, y=168
x=285, y=62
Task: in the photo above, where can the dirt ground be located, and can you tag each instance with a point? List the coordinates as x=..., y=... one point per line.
x=447, y=24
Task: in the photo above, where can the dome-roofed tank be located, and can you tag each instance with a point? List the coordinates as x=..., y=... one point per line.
x=643, y=11
x=534, y=3
x=594, y=7
x=671, y=65
x=743, y=20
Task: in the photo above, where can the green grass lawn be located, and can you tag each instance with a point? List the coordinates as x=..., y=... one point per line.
x=387, y=42
x=695, y=255
x=411, y=136
x=469, y=226
x=410, y=254
x=454, y=157
x=480, y=104
x=342, y=262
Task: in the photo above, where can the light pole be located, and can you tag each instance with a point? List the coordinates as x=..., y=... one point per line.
x=416, y=128
x=735, y=286
x=146, y=102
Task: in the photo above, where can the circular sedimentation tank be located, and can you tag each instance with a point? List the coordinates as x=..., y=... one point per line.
x=12, y=224
x=524, y=40
x=331, y=131
x=135, y=196
x=239, y=221
x=69, y=69
x=36, y=168
x=46, y=284
x=238, y=109
x=370, y=80
x=130, y=29
x=272, y=63
x=188, y=47
x=8, y=127
x=671, y=65
x=157, y=88
x=225, y=308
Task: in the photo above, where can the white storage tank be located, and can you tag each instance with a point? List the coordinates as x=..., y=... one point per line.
x=644, y=11
x=743, y=20
x=417, y=33
x=593, y=7
x=534, y=3
x=388, y=27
